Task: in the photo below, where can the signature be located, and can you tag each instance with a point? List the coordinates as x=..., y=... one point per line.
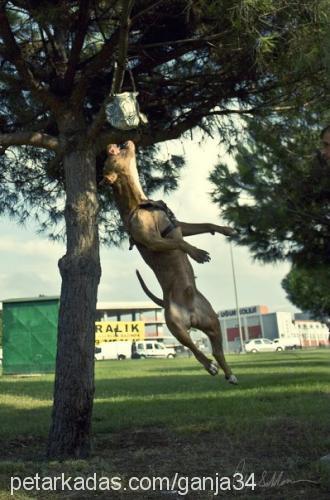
x=270, y=479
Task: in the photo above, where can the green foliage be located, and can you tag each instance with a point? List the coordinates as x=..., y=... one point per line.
x=309, y=289
x=195, y=64
x=278, y=197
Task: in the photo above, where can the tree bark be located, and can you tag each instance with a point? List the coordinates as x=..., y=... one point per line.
x=70, y=432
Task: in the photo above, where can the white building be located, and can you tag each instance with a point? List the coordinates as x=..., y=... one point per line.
x=257, y=321
x=312, y=333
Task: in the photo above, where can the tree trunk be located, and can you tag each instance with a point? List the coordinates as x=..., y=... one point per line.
x=70, y=432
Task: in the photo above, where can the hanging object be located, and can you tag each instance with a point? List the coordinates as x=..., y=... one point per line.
x=123, y=111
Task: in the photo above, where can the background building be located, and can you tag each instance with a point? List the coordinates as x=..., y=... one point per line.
x=30, y=329
x=312, y=333
x=151, y=315
x=251, y=321
x=257, y=321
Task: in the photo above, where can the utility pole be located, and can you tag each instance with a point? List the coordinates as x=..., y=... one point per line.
x=236, y=298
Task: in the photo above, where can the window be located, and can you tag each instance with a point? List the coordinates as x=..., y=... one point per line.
x=267, y=341
x=148, y=346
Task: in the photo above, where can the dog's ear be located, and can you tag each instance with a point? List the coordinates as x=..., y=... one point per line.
x=111, y=177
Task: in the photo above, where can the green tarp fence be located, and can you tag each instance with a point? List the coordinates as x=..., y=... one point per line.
x=29, y=335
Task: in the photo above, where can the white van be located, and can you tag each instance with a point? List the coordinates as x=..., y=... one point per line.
x=288, y=342
x=113, y=350
x=153, y=349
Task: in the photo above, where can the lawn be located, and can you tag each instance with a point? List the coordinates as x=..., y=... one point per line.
x=170, y=418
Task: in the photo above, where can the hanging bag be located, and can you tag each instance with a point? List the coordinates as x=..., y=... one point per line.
x=123, y=111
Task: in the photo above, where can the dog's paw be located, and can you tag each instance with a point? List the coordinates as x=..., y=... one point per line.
x=199, y=255
x=232, y=379
x=228, y=231
x=213, y=368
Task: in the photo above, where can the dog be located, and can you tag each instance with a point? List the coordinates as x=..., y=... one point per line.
x=159, y=237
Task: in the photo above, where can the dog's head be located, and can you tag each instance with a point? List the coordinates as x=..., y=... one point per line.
x=119, y=160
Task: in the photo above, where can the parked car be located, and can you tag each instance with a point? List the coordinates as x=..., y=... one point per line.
x=262, y=345
x=154, y=349
x=288, y=343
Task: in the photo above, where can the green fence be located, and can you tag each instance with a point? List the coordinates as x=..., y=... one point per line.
x=30, y=335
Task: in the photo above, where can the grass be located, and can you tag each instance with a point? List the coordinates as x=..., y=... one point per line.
x=159, y=417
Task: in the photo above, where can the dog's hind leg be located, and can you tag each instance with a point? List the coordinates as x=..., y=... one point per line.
x=214, y=335
x=208, y=322
x=180, y=332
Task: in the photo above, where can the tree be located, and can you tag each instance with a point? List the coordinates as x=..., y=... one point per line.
x=278, y=198
x=194, y=64
x=308, y=289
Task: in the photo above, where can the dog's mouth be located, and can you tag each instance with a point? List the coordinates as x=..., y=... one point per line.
x=115, y=149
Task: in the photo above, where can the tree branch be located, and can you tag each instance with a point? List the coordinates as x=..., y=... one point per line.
x=15, y=56
x=37, y=139
x=202, y=40
x=98, y=61
x=94, y=65
x=145, y=11
x=147, y=137
x=120, y=69
x=78, y=43
x=122, y=45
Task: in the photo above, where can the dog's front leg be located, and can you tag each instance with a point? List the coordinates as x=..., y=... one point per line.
x=150, y=238
x=202, y=228
x=159, y=244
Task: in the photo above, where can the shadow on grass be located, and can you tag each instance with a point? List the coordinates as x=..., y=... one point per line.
x=183, y=410
x=40, y=390
x=182, y=402
x=132, y=394
x=167, y=380
x=173, y=418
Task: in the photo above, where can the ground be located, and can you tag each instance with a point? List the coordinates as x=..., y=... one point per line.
x=170, y=419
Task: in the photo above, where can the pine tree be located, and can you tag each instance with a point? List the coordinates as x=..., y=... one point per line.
x=195, y=64
x=278, y=197
x=308, y=289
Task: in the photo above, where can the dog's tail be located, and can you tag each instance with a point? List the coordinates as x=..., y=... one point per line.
x=146, y=290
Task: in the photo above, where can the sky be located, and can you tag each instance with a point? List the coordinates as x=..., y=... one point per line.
x=28, y=261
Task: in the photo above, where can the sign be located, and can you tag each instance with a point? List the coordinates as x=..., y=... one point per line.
x=109, y=331
x=242, y=311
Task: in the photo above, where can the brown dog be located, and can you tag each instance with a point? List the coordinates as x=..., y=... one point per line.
x=159, y=238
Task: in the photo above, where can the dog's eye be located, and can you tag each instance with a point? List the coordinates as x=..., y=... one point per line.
x=122, y=146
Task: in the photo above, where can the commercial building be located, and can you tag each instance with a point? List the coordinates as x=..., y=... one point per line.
x=30, y=329
x=312, y=333
x=257, y=321
x=148, y=313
